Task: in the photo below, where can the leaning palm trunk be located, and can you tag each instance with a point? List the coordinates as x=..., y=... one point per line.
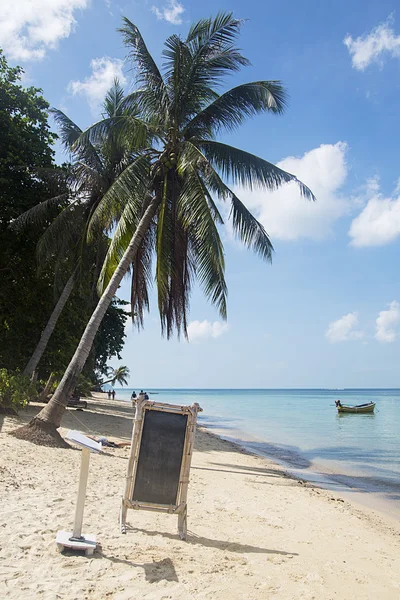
x=48, y=330
x=43, y=395
x=43, y=428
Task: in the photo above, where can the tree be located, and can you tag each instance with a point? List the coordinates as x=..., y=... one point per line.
x=168, y=190
x=95, y=167
x=28, y=173
x=109, y=339
x=26, y=156
x=119, y=374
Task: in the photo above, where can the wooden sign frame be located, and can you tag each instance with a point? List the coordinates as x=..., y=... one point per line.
x=180, y=506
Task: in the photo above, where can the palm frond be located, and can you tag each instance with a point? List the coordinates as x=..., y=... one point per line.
x=205, y=240
x=131, y=187
x=148, y=73
x=190, y=157
x=223, y=29
x=164, y=242
x=62, y=236
x=247, y=169
x=232, y=108
x=69, y=131
x=113, y=100
x=127, y=224
x=41, y=213
x=128, y=128
x=249, y=230
x=211, y=42
x=245, y=225
x=142, y=277
x=70, y=136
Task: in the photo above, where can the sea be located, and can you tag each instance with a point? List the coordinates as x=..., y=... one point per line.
x=300, y=429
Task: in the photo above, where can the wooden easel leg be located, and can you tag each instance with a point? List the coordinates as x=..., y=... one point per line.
x=122, y=516
x=182, y=523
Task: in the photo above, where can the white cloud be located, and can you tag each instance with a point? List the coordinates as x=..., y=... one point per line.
x=343, y=329
x=386, y=323
x=286, y=214
x=29, y=28
x=170, y=12
x=379, y=221
x=95, y=87
x=373, y=46
x=201, y=330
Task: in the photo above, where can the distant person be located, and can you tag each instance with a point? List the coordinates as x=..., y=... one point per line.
x=113, y=394
x=109, y=394
x=146, y=396
x=133, y=395
x=338, y=403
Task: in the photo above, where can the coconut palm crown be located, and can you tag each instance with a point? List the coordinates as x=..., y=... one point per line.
x=184, y=169
x=120, y=375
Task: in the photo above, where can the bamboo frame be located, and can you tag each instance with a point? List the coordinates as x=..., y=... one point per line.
x=180, y=507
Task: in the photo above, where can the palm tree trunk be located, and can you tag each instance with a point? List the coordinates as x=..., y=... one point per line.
x=104, y=382
x=48, y=330
x=49, y=418
x=43, y=395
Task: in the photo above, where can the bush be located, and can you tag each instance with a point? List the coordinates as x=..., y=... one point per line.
x=84, y=386
x=15, y=391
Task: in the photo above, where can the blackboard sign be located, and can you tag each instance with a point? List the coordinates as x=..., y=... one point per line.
x=161, y=451
x=160, y=457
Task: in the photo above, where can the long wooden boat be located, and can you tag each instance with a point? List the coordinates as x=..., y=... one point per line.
x=360, y=408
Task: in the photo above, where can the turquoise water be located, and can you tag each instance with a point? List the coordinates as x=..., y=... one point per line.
x=302, y=430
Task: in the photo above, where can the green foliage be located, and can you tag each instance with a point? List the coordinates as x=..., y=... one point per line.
x=120, y=375
x=110, y=337
x=15, y=391
x=27, y=295
x=84, y=386
x=25, y=158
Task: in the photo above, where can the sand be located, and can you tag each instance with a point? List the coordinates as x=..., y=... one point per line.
x=254, y=532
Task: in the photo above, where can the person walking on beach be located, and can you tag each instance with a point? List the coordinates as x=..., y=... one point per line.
x=113, y=394
x=109, y=394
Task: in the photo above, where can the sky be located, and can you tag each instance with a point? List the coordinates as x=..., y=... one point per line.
x=326, y=313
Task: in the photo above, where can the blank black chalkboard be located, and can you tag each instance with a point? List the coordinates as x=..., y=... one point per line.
x=160, y=457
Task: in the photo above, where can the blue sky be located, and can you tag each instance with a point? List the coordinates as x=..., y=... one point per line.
x=326, y=313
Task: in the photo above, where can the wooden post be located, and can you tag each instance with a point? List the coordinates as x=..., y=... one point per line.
x=80, y=503
x=187, y=460
x=132, y=462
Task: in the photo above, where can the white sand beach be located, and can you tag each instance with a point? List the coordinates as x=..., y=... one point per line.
x=254, y=532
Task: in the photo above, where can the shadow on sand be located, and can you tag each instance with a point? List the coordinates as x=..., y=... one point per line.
x=195, y=539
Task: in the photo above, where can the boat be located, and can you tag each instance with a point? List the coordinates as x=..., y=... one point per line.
x=358, y=409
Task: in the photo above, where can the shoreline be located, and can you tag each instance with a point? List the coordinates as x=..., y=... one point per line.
x=328, y=474
x=254, y=531
x=327, y=478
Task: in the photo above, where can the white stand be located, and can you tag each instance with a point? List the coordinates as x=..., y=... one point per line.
x=75, y=539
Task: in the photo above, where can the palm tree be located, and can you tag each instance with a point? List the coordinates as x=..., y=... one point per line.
x=169, y=189
x=119, y=374
x=95, y=167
